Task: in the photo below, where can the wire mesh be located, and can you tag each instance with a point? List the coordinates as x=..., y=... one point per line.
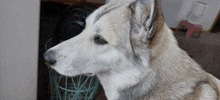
x=72, y=88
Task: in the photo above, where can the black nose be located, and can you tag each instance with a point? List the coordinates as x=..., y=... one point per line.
x=49, y=57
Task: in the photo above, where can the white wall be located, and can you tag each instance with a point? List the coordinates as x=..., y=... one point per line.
x=19, y=30
x=171, y=10
x=209, y=15
x=177, y=10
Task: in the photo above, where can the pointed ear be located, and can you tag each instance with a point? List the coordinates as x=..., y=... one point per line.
x=144, y=16
x=106, y=1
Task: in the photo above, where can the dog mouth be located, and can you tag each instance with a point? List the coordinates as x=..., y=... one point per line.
x=89, y=74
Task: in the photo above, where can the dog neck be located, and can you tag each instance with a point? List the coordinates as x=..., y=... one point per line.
x=132, y=82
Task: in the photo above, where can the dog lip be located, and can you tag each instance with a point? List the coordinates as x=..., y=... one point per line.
x=89, y=74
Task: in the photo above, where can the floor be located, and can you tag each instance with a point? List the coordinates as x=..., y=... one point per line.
x=205, y=50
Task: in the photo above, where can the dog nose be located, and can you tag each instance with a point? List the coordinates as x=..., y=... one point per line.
x=48, y=56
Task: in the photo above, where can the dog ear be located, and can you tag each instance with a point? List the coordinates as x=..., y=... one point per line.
x=106, y=1
x=144, y=18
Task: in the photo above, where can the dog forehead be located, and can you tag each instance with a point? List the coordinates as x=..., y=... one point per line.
x=112, y=21
x=117, y=25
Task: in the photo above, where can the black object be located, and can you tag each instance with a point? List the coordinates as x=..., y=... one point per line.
x=72, y=21
x=50, y=8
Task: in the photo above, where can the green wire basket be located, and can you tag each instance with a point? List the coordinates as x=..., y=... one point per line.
x=71, y=88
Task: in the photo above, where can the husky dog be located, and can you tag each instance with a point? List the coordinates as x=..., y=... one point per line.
x=127, y=44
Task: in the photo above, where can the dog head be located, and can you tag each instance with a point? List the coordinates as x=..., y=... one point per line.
x=116, y=37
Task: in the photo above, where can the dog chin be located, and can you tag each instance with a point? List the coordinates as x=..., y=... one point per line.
x=70, y=74
x=65, y=73
x=89, y=74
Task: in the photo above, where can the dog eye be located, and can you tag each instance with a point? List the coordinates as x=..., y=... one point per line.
x=100, y=40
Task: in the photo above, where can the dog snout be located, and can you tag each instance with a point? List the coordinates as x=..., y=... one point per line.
x=49, y=57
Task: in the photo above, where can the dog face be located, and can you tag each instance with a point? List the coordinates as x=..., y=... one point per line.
x=106, y=42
